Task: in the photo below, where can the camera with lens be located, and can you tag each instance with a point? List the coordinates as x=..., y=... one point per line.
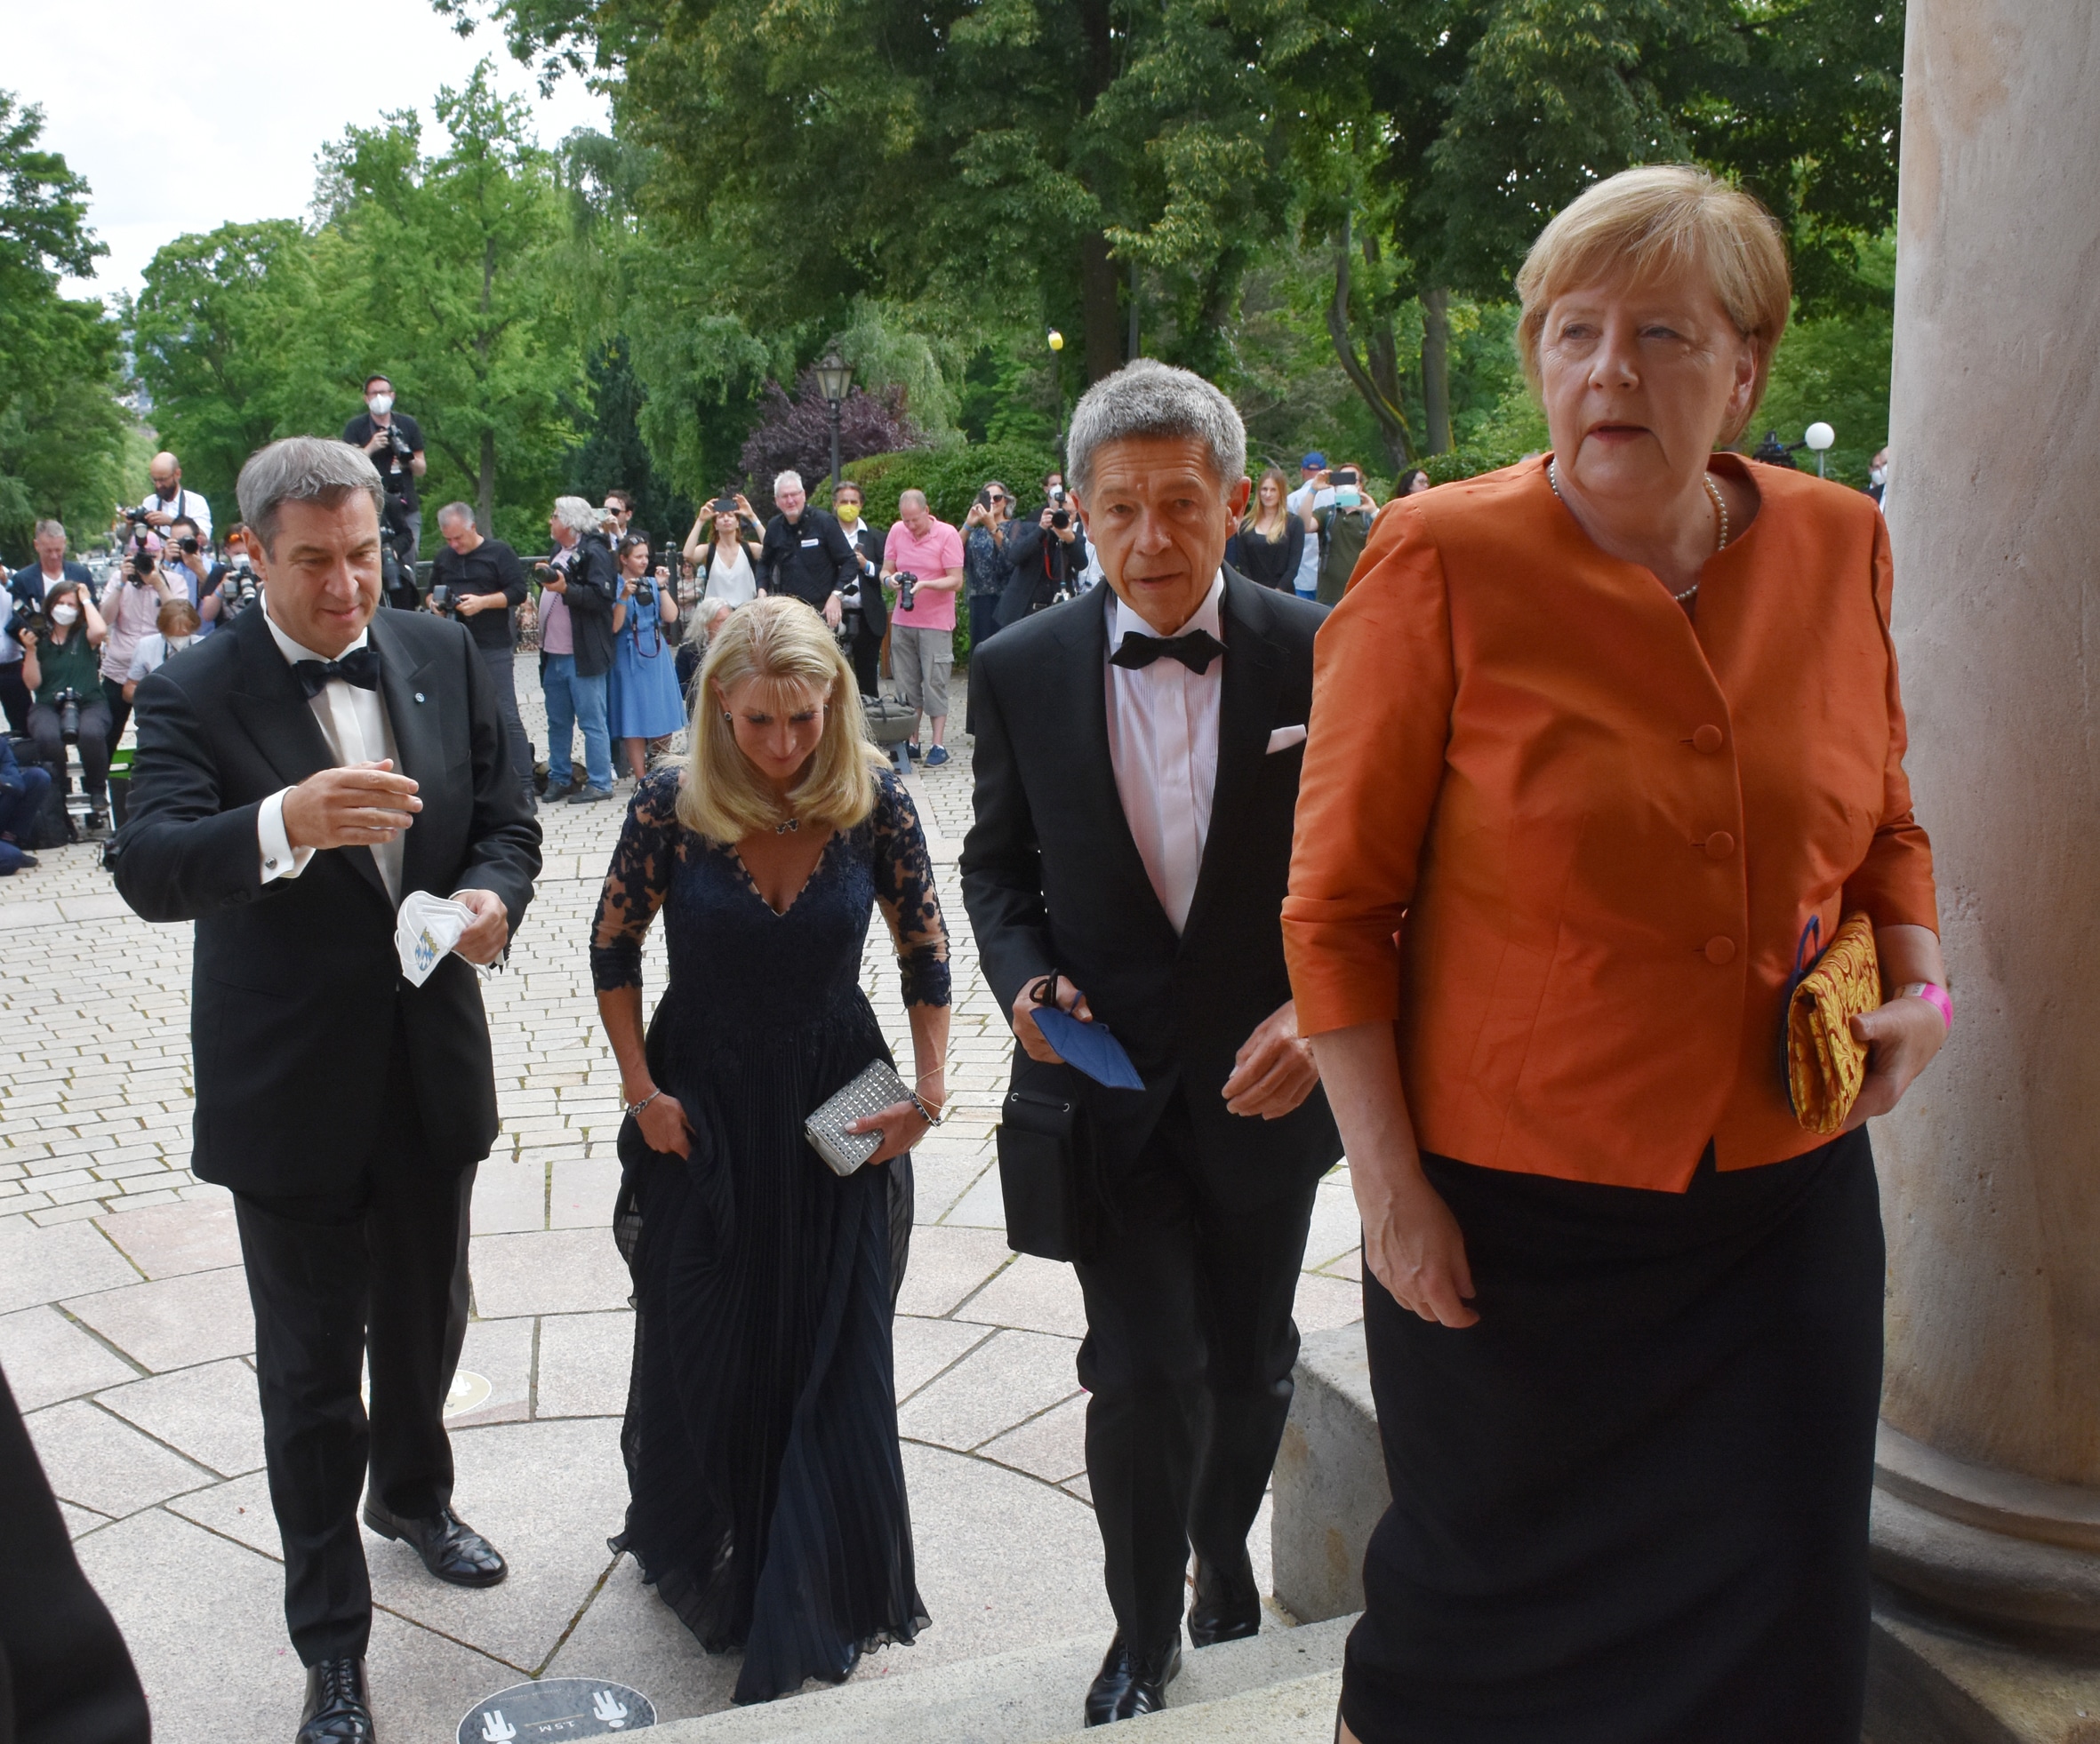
x=906, y=588
x=239, y=590
x=33, y=622
x=442, y=601
x=68, y=704
x=397, y=442
x=137, y=517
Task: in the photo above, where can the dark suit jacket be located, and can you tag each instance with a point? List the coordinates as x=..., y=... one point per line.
x=1052, y=879
x=593, y=590
x=866, y=546
x=297, y=983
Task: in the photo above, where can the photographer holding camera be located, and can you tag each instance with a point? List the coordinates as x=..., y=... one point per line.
x=60, y=667
x=168, y=502
x=235, y=586
x=394, y=442
x=26, y=591
x=148, y=578
x=924, y=557
x=1047, y=556
x=480, y=582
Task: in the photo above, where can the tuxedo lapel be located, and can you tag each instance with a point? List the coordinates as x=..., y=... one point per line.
x=1089, y=762
x=415, y=711
x=1247, y=712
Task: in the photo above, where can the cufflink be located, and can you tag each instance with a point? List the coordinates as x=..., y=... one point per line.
x=269, y=865
x=418, y=696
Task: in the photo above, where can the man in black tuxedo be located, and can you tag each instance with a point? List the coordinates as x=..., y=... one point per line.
x=871, y=615
x=1137, y=760
x=297, y=775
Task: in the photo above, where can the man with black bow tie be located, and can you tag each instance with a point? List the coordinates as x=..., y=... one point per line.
x=296, y=777
x=1137, y=761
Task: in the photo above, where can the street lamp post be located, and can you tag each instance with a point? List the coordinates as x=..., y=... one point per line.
x=1819, y=437
x=1057, y=386
x=834, y=380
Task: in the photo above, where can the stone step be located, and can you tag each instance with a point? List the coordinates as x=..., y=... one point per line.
x=1299, y=1712
x=1022, y=1697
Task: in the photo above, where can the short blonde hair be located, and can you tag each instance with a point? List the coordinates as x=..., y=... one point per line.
x=1646, y=221
x=783, y=642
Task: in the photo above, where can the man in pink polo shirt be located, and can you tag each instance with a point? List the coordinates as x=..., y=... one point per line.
x=922, y=635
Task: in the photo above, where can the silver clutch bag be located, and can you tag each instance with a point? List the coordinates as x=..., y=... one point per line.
x=876, y=1088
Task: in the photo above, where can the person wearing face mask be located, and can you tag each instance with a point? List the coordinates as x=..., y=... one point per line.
x=1344, y=529
x=805, y=555
x=1878, y=476
x=174, y=629
x=67, y=661
x=394, y=442
x=26, y=591
x=872, y=620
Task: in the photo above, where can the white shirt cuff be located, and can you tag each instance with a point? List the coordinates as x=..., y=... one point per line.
x=280, y=859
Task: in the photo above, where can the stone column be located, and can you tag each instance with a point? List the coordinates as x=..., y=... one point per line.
x=1989, y=1489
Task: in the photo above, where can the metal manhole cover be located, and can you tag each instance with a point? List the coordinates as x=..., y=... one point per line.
x=556, y=1707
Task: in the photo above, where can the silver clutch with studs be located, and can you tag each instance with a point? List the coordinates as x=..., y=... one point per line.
x=876, y=1088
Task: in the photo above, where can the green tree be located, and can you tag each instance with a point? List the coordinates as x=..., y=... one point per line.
x=63, y=434
x=443, y=273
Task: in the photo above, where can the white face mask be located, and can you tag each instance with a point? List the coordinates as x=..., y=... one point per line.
x=176, y=643
x=1879, y=475
x=381, y=404
x=64, y=614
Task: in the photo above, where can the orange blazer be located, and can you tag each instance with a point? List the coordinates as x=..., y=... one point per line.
x=1605, y=825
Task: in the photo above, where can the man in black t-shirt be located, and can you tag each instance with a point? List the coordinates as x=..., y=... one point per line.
x=805, y=554
x=395, y=443
x=482, y=583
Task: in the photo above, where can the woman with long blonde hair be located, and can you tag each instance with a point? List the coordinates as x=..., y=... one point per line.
x=767, y=1492
x=1271, y=540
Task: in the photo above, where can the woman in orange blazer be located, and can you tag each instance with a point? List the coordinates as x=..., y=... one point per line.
x=1596, y=742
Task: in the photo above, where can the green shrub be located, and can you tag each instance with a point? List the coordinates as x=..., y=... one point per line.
x=950, y=477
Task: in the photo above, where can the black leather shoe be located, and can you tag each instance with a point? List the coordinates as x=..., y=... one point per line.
x=451, y=1548
x=337, y=1711
x=1228, y=1605
x=1130, y=1683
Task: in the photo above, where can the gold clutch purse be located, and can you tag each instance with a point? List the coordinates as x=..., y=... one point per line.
x=1826, y=1066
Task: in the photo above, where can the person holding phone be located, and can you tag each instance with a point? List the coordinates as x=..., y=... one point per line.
x=1344, y=530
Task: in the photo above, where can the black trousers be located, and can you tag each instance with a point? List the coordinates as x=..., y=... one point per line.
x=867, y=661
x=1188, y=1355
x=94, y=745
x=14, y=698
x=120, y=711
x=379, y=1270
x=502, y=671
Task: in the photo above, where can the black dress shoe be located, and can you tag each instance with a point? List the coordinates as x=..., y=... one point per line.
x=337, y=1711
x=1130, y=1683
x=1228, y=1605
x=451, y=1548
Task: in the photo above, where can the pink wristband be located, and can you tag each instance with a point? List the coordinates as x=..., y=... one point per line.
x=1936, y=997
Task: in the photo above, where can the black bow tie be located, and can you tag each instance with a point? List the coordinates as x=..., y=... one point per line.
x=1195, y=649
x=359, y=667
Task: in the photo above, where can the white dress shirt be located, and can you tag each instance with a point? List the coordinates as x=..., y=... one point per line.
x=1163, y=741
x=185, y=501
x=354, y=721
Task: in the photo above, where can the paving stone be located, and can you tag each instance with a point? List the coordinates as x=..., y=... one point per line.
x=1008, y=1378
x=227, y=1676
x=547, y=1495
x=500, y=1352
x=1051, y=1446
x=211, y=1413
x=921, y=1348
x=81, y=1521
x=1324, y=1302
x=982, y=1207
x=171, y=1241
x=40, y=1266
x=947, y=1266
x=48, y=1358
x=1337, y=1229
x=585, y=1360
x=559, y=1271
x=239, y=1510
x=1040, y=1295
x=97, y=1461
x=175, y=1322
x=509, y=1197
x=582, y=1193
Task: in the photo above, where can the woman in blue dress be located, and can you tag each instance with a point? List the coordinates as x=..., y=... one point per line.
x=766, y=1491
x=643, y=703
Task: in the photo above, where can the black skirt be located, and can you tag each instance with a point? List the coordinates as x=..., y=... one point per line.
x=1629, y=1506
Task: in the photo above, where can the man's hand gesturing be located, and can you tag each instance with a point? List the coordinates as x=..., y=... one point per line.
x=1274, y=1069
x=356, y=806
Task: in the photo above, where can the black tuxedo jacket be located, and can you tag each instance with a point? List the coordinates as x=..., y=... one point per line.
x=866, y=546
x=1052, y=879
x=297, y=982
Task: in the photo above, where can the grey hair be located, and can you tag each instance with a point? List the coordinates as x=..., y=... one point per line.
x=455, y=511
x=302, y=469
x=904, y=497
x=579, y=515
x=43, y=529
x=1148, y=398
x=780, y=478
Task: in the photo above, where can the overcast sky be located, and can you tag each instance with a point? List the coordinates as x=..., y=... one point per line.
x=185, y=114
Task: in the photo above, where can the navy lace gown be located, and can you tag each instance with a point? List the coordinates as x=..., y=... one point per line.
x=766, y=1494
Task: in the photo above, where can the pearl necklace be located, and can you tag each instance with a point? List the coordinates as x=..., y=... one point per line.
x=1721, y=510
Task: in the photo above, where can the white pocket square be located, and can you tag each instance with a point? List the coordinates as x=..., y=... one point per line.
x=1282, y=738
